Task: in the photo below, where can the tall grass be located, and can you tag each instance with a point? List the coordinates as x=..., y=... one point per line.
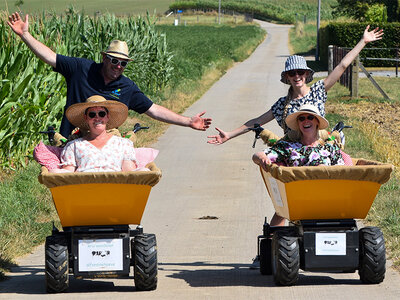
x=32, y=96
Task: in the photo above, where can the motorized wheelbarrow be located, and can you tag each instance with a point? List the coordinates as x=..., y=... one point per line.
x=321, y=204
x=96, y=240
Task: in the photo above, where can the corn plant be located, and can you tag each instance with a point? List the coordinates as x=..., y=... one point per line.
x=32, y=96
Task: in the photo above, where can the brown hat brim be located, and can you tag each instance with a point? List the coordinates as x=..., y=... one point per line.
x=117, y=112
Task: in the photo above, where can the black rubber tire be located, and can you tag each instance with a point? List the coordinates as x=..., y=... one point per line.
x=56, y=264
x=144, y=252
x=285, y=258
x=372, y=255
x=265, y=257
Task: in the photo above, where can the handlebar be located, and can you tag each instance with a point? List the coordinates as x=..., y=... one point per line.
x=257, y=130
x=50, y=134
x=138, y=127
x=340, y=126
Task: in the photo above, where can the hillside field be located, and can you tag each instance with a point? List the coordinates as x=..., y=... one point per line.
x=121, y=7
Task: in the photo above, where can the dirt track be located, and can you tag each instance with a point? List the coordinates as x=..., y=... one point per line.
x=209, y=258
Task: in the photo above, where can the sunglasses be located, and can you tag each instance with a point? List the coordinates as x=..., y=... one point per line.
x=116, y=61
x=293, y=73
x=93, y=114
x=303, y=118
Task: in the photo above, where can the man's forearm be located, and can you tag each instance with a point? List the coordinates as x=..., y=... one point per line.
x=43, y=52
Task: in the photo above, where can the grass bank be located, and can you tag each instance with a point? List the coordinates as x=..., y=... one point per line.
x=202, y=54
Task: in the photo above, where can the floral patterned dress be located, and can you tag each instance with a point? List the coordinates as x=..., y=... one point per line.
x=88, y=158
x=295, y=154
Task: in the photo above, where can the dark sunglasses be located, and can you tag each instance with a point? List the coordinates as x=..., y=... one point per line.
x=303, y=118
x=293, y=73
x=116, y=61
x=93, y=114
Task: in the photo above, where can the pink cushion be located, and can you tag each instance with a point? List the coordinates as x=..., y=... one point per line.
x=347, y=159
x=145, y=156
x=48, y=156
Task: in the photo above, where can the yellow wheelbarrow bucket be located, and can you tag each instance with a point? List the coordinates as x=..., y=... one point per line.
x=104, y=198
x=325, y=192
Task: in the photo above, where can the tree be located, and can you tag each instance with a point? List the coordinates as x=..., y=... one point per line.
x=369, y=10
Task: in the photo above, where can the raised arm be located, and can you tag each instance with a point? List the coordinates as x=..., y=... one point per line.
x=163, y=114
x=368, y=36
x=223, y=136
x=21, y=27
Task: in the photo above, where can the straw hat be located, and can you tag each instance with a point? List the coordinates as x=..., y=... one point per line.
x=291, y=120
x=117, y=112
x=118, y=49
x=296, y=62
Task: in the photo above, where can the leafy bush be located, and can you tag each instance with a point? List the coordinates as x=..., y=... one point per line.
x=349, y=34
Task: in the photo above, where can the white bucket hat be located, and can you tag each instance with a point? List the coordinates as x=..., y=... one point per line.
x=117, y=112
x=291, y=120
x=296, y=62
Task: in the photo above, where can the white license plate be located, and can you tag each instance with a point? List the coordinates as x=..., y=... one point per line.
x=330, y=243
x=100, y=255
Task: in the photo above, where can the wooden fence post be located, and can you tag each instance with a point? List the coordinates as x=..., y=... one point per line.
x=330, y=59
x=354, y=77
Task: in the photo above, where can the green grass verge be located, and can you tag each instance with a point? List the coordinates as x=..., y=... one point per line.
x=385, y=211
x=26, y=214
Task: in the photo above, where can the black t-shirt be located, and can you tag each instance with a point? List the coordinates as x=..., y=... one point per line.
x=84, y=80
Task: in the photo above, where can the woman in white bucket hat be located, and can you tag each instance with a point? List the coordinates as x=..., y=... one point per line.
x=297, y=74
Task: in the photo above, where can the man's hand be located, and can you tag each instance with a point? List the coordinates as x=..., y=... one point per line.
x=199, y=123
x=219, y=139
x=17, y=24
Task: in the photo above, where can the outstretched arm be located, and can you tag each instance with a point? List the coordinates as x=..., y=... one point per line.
x=163, y=114
x=368, y=36
x=223, y=136
x=21, y=27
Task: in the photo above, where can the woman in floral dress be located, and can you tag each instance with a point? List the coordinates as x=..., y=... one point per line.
x=308, y=150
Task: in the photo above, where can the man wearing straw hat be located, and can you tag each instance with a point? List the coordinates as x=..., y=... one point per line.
x=86, y=78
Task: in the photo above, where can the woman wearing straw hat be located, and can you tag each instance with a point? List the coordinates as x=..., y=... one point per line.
x=98, y=150
x=297, y=74
x=307, y=150
x=86, y=78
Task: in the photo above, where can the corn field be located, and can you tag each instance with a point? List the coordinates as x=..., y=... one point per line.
x=32, y=96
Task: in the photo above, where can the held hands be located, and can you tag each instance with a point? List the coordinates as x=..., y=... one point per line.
x=17, y=24
x=199, y=123
x=219, y=139
x=261, y=159
x=373, y=35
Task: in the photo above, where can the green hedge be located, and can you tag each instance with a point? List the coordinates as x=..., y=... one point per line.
x=349, y=34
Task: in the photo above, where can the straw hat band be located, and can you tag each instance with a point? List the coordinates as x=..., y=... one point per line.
x=291, y=120
x=117, y=112
x=120, y=53
x=118, y=49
